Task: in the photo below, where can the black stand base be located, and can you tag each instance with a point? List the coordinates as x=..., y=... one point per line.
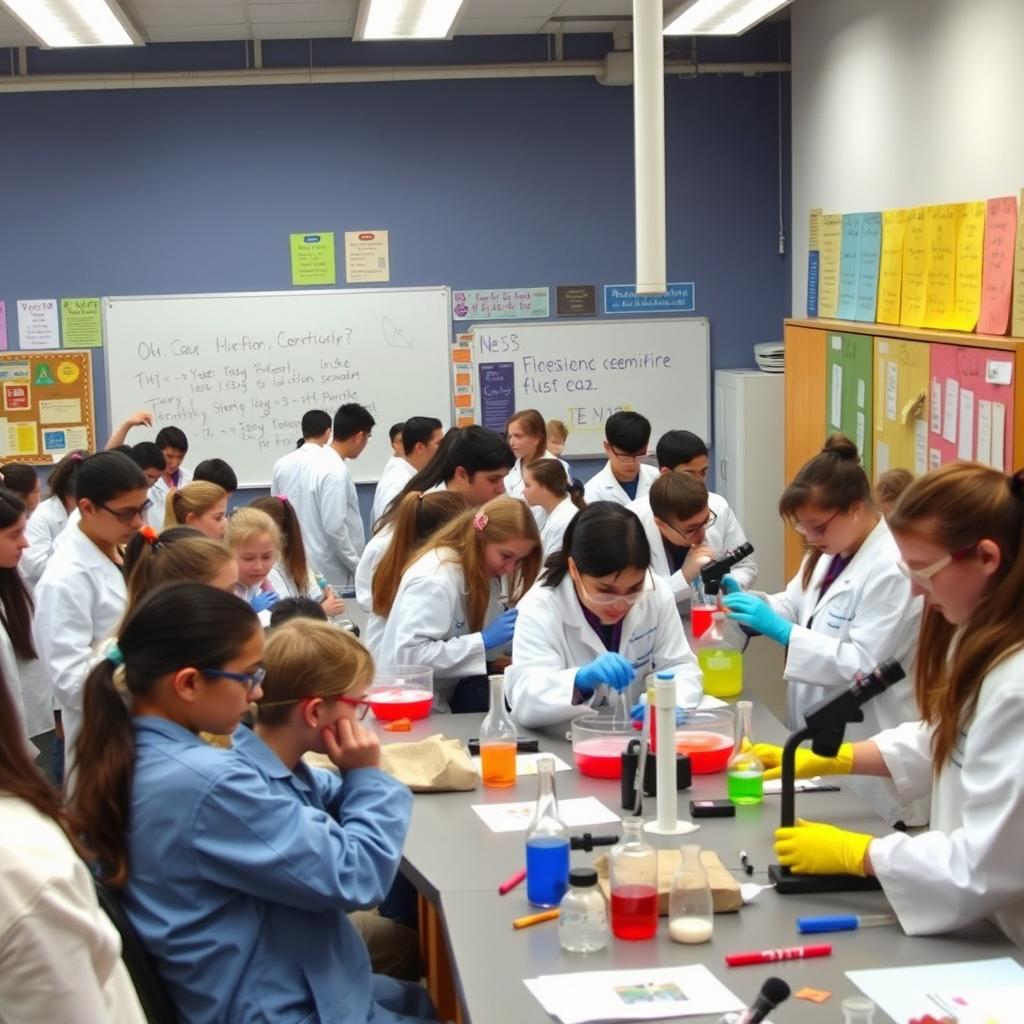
x=788, y=884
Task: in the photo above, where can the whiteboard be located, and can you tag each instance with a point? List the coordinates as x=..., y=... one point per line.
x=582, y=371
x=237, y=371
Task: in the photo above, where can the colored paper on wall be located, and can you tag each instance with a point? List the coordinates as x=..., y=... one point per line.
x=367, y=257
x=60, y=410
x=997, y=265
x=867, y=268
x=500, y=303
x=952, y=400
x=970, y=246
x=890, y=269
x=836, y=404
x=915, y=266
x=936, y=423
x=312, y=258
x=831, y=246
x=999, y=436
x=22, y=439
x=882, y=457
x=920, y=446
x=1018, y=276
x=849, y=265
x=497, y=394
x=940, y=288
x=3, y=332
x=37, y=324
x=813, y=279
x=965, y=446
x=984, y=449
x=81, y=324
x=814, y=235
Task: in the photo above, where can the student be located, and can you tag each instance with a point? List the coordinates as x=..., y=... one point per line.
x=295, y=608
x=624, y=477
x=418, y=518
x=597, y=621
x=558, y=434
x=848, y=609
x=119, y=436
x=316, y=433
x=174, y=444
x=325, y=499
x=24, y=482
x=213, y=854
x=50, y=518
x=201, y=505
x=217, y=471
x=81, y=595
x=150, y=459
x=546, y=486
x=317, y=678
x=528, y=438
x=292, y=575
x=197, y=559
x=60, y=957
x=255, y=542
x=960, y=537
x=888, y=488
x=447, y=611
x=396, y=441
x=421, y=436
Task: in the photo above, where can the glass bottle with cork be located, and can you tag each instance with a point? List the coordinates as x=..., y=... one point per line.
x=547, y=843
x=745, y=771
x=498, y=740
x=633, y=872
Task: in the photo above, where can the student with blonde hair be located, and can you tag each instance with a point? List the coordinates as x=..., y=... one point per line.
x=888, y=488
x=558, y=435
x=547, y=486
x=199, y=504
x=447, y=611
x=255, y=541
x=195, y=559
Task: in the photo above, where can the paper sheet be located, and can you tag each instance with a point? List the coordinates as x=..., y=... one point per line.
x=868, y=266
x=952, y=405
x=861, y=393
x=516, y=817
x=22, y=439
x=890, y=269
x=37, y=324
x=934, y=458
x=940, y=276
x=936, y=406
x=828, y=280
x=965, y=445
x=915, y=266
x=892, y=386
x=849, y=266
x=60, y=410
x=861, y=430
x=998, y=436
x=920, y=446
x=997, y=265
x=881, y=457
x=903, y=992
x=970, y=234
x=641, y=993
x=836, y=411
x=984, y=455
x=526, y=764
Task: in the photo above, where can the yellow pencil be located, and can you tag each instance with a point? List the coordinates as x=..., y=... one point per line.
x=531, y=919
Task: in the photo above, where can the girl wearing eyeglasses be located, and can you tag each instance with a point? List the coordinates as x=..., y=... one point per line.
x=596, y=624
x=849, y=607
x=81, y=594
x=960, y=535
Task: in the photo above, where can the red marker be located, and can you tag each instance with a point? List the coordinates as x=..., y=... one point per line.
x=768, y=956
x=510, y=883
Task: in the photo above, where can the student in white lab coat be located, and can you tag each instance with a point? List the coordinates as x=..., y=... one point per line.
x=174, y=445
x=960, y=537
x=81, y=595
x=418, y=517
x=624, y=477
x=316, y=434
x=50, y=517
x=201, y=505
x=528, y=438
x=60, y=957
x=597, y=621
x=175, y=556
x=447, y=612
x=848, y=609
x=547, y=486
x=421, y=436
x=23, y=480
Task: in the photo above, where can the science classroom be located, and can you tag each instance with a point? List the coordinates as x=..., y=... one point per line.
x=510, y=512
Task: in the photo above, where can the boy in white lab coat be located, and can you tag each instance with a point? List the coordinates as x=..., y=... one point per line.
x=420, y=438
x=624, y=477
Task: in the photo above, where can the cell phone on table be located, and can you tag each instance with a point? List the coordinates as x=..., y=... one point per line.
x=522, y=746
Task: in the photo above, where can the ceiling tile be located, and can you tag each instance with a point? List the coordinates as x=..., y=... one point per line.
x=13, y=34
x=306, y=29
x=499, y=26
x=317, y=10
x=594, y=7
x=197, y=34
x=506, y=10
x=221, y=14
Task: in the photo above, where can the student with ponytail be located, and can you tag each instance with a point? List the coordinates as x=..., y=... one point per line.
x=447, y=611
x=81, y=595
x=960, y=537
x=23, y=481
x=849, y=607
x=195, y=559
x=596, y=624
x=50, y=518
x=547, y=486
x=201, y=505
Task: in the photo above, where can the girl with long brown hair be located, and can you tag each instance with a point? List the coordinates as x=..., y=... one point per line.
x=548, y=487
x=528, y=438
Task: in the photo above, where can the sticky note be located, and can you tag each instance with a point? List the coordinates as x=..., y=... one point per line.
x=813, y=995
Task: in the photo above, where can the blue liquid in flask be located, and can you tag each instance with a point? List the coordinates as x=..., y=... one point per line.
x=547, y=870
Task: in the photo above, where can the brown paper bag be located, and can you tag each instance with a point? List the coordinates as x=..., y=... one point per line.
x=433, y=765
x=725, y=890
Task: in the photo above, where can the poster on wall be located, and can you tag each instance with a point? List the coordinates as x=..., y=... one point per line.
x=312, y=258
x=367, y=257
x=501, y=304
x=37, y=324
x=497, y=395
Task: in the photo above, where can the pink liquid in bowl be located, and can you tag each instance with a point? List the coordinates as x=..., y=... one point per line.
x=399, y=702
x=600, y=756
x=709, y=751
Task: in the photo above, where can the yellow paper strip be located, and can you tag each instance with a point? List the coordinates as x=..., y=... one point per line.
x=970, y=246
x=915, y=267
x=941, y=230
x=890, y=270
x=831, y=247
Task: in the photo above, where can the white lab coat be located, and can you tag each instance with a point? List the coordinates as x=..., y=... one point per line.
x=60, y=956
x=428, y=624
x=374, y=551
x=158, y=495
x=43, y=528
x=603, y=486
x=554, y=526
x=289, y=468
x=284, y=584
x=397, y=473
x=79, y=601
x=553, y=640
x=968, y=866
x=514, y=481
x=29, y=683
x=724, y=535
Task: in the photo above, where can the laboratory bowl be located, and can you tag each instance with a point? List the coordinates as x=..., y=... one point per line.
x=401, y=691
x=598, y=744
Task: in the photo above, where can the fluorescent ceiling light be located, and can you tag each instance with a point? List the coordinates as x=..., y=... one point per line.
x=719, y=17
x=57, y=23
x=406, y=19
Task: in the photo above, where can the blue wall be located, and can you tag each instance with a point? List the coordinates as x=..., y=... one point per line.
x=480, y=183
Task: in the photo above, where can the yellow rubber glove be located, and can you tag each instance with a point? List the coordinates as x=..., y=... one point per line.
x=808, y=764
x=810, y=848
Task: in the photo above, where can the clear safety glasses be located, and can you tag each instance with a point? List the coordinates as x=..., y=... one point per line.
x=923, y=577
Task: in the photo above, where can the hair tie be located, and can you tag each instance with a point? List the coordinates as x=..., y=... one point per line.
x=1016, y=482
x=151, y=537
x=76, y=456
x=114, y=655
x=283, y=498
x=480, y=520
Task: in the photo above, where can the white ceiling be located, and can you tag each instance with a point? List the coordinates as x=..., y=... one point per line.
x=167, y=21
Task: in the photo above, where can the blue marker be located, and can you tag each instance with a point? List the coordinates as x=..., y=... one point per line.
x=842, y=922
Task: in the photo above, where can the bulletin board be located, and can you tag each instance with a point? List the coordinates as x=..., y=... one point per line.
x=46, y=405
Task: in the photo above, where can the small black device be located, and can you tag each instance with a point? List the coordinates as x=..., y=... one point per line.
x=522, y=746
x=712, y=809
x=773, y=992
x=714, y=572
x=630, y=767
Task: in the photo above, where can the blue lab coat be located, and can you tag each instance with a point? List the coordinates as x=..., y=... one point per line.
x=242, y=874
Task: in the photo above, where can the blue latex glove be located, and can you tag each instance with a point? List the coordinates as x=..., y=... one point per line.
x=610, y=668
x=500, y=631
x=731, y=585
x=637, y=714
x=751, y=611
x=263, y=600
